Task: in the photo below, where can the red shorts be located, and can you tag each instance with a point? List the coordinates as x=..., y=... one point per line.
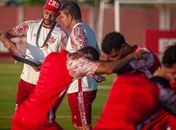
x=81, y=111
x=24, y=90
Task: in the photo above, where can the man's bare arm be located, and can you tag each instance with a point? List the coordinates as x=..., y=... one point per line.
x=5, y=38
x=115, y=67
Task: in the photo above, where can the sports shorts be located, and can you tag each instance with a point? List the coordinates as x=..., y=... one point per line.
x=24, y=90
x=81, y=107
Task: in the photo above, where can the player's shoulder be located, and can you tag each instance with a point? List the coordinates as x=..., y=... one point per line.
x=78, y=30
x=79, y=27
x=31, y=22
x=83, y=28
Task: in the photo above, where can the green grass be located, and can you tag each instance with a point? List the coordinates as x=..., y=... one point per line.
x=9, y=77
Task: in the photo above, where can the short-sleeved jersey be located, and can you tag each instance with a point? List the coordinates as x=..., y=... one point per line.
x=29, y=29
x=57, y=71
x=149, y=65
x=81, y=36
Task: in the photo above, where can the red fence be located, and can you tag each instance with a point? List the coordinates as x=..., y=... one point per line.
x=134, y=20
x=158, y=41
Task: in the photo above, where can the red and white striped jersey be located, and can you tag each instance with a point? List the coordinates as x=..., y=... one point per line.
x=29, y=29
x=81, y=36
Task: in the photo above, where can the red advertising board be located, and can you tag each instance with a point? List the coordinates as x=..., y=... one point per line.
x=158, y=41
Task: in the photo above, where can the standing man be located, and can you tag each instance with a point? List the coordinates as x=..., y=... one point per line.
x=81, y=92
x=57, y=72
x=42, y=37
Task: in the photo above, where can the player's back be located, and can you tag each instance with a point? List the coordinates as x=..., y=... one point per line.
x=131, y=100
x=53, y=81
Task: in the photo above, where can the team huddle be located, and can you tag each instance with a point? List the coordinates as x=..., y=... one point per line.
x=142, y=97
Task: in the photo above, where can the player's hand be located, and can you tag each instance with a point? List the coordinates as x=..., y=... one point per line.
x=99, y=77
x=140, y=55
x=11, y=46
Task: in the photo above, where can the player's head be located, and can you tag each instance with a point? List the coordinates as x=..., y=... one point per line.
x=70, y=11
x=169, y=57
x=51, y=11
x=169, y=61
x=90, y=53
x=114, y=45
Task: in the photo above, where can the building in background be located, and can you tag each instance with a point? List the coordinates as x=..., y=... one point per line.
x=136, y=17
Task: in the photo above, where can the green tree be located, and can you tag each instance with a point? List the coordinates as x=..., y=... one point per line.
x=34, y=2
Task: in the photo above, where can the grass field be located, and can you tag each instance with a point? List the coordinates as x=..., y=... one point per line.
x=9, y=77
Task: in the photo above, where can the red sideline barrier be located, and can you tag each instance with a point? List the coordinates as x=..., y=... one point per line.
x=7, y=54
x=158, y=41
x=5, y=57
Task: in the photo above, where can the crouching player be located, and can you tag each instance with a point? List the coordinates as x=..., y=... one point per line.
x=57, y=72
x=165, y=119
x=133, y=100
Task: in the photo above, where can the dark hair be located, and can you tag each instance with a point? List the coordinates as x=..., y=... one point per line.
x=112, y=40
x=71, y=8
x=91, y=50
x=169, y=57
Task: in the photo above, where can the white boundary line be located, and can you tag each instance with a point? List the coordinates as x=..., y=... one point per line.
x=104, y=87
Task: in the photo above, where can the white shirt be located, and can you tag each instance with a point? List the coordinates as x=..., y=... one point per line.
x=29, y=29
x=81, y=36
